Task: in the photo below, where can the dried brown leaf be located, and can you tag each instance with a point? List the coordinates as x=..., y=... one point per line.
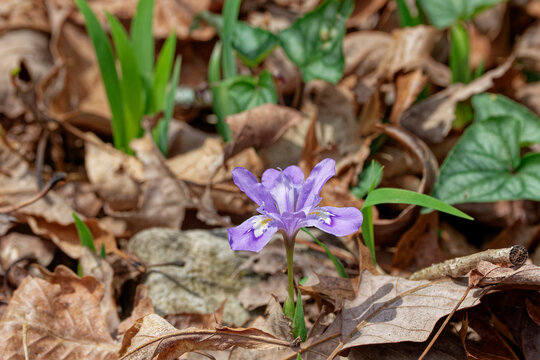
x=408, y=87
x=19, y=14
x=389, y=309
x=525, y=277
x=335, y=289
x=410, y=49
x=204, y=164
x=164, y=197
x=259, y=127
x=168, y=15
x=94, y=265
x=418, y=247
x=387, y=231
x=63, y=317
x=153, y=337
x=431, y=119
x=16, y=46
x=114, y=175
x=364, y=49
x=200, y=321
x=142, y=306
x=15, y=246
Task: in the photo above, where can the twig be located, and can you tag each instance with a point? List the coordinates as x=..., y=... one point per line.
x=40, y=156
x=458, y=267
x=54, y=180
x=24, y=341
x=432, y=342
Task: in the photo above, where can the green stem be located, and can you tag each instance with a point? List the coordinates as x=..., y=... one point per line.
x=289, y=248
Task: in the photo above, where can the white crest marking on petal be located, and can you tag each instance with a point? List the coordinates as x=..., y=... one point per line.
x=260, y=225
x=324, y=215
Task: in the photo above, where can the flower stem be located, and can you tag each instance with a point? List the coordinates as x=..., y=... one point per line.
x=289, y=248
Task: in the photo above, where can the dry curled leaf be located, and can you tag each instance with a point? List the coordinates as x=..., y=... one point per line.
x=525, y=277
x=259, y=127
x=410, y=49
x=152, y=337
x=63, y=317
x=431, y=119
x=142, y=306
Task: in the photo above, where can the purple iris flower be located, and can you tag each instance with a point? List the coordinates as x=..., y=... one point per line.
x=288, y=203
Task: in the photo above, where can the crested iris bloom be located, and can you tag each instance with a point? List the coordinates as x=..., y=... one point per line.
x=287, y=203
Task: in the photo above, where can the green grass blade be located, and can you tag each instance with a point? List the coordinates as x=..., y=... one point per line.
x=337, y=264
x=404, y=14
x=401, y=196
x=142, y=37
x=219, y=94
x=367, y=231
x=109, y=75
x=162, y=72
x=85, y=236
x=230, y=16
x=459, y=54
x=161, y=132
x=131, y=84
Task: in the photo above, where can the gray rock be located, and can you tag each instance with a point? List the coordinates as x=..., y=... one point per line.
x=203, y=283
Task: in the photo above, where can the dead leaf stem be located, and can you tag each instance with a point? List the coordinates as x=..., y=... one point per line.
x=54, y=180
x=458, y=267
x=24, y=340
x=436, y=336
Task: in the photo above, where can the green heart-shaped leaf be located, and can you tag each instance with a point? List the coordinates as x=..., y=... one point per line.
x=485, y=165
x=443, y=13
x=487, y=106
x=314, y=41
x=246, y=92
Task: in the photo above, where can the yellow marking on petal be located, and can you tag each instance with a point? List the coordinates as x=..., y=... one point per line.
x=323, y=215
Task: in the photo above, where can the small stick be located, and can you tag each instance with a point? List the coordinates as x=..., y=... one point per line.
x=432, y=342
x=24, y=341
x=55, y=179
x=458, y=267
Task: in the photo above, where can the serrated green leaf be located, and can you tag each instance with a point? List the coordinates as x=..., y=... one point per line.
x=370, y=177
x=444, y=13
x=487, y=106
x=130, y=83
x=485, y=165
x=109, y=75
x=298, y=322
x=85, y=236
x=314, y=41
x=401, y=196
x=162, y=72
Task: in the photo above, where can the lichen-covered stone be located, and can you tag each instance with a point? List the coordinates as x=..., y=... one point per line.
x=203, y=283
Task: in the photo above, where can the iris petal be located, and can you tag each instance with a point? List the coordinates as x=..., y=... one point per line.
x=336, y=221
x=284, y=193
x=253, y=234
x=295, y=174
x=309, y=194
x=269, y=177
x=247, y=182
